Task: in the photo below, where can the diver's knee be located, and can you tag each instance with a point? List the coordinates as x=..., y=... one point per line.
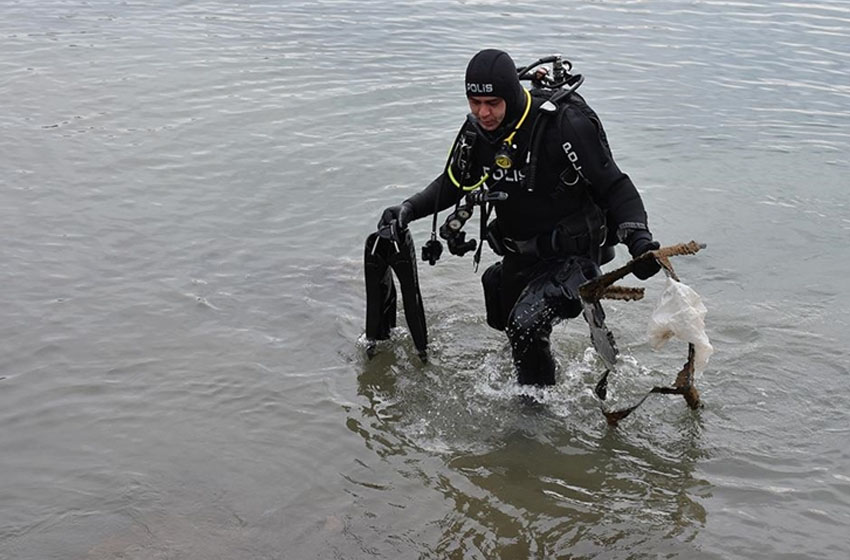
x=527, y=324
x=520, y=323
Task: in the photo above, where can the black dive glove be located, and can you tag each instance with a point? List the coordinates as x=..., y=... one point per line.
x=403, y=214
x=639, y=243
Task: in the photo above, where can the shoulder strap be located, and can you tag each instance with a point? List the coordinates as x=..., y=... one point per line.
x=545, y=112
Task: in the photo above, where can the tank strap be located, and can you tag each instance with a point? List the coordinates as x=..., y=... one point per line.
x=544, y=114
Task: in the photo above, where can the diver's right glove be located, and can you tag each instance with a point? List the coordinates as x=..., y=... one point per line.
x=402, y=214
x=639, y=243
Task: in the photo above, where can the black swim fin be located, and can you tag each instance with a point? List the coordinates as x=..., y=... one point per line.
x=384, y=255
x=380, y=298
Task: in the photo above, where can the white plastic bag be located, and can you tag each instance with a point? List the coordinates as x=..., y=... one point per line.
x=681, y=313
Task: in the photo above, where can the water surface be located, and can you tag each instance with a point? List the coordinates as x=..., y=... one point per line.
x=184, y=193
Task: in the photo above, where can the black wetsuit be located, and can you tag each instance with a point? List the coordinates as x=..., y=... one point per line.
x=559, y=226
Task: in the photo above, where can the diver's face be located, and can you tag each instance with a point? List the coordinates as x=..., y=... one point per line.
x=490, y=111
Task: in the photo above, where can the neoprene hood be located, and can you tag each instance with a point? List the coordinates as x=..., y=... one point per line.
x=492, y=73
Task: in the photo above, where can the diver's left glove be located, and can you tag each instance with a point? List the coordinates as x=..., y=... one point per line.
x=402, y=214
x=639, y=243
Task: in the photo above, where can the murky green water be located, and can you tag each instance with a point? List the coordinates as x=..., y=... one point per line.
x=184, y=193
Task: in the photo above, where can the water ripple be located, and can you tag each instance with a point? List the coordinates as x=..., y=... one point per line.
x=185, y=192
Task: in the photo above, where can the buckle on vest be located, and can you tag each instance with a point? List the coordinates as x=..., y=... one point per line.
x=527, y=247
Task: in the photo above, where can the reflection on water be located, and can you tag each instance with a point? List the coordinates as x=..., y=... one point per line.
x=532, y=483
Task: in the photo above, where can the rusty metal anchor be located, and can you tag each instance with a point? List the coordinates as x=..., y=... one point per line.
x=602, y=287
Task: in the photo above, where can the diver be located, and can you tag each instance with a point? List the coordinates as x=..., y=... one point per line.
x=560, y=201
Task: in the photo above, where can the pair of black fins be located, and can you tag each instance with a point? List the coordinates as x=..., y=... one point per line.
x=389, y=252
